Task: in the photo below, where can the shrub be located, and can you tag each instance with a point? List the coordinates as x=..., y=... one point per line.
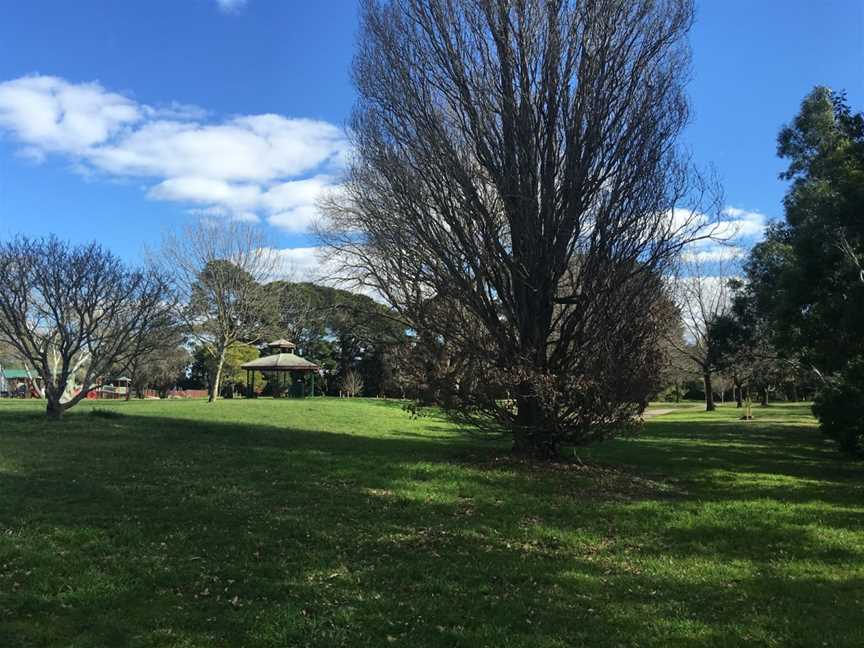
x=840, y=407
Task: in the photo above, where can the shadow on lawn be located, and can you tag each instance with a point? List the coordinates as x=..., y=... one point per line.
x=151, y=523
x=161, y=531
x=787, y=459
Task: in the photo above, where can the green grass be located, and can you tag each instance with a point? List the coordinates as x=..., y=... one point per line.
x=347, y=523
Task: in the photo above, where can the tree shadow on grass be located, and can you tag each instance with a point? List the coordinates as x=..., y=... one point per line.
x=783, y=459
x=160, y=531
x=211, y=532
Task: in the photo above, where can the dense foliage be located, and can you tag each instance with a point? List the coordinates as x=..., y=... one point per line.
x=840, y=406
x=806, y=279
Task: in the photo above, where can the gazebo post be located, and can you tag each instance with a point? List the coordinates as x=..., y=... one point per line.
x=313, y=384
x=252, y=395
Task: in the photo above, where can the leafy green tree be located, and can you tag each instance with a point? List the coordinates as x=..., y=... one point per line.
x=299, y=313
x=840, y=406
x=234, y=375
x=204, y=368
x=806, y=275
x=339, y=330
x=806, y=278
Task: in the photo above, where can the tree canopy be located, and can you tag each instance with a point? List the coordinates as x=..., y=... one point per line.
x=806, y=280
x=807, y=273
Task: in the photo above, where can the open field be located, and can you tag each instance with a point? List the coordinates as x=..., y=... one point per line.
x=346, y=523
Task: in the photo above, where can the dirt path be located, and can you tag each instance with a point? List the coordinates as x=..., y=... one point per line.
x=651, y=413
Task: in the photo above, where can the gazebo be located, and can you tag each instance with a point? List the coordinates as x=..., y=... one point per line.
x=280, y=362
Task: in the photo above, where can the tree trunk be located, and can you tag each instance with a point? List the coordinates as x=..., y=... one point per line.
x=217, y=379
x=55, y=409
x=764, y=402
x=529, y=438
x=736, y=389
x=794, y=392
x=677, y=393
x=532, y=436
x=709, y=392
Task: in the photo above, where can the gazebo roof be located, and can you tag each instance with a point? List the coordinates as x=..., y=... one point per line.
x=282, y=344
x=281, y=362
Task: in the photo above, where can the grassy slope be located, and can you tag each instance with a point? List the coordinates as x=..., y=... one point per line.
x=327, y=523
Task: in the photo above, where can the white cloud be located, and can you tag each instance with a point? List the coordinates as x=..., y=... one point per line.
x=302, y=264
x=53, y=115
x=736, y=226
x=204, y=190
x=686, y=220
x=231, y=6
x=292, y=205
x=255, y=148
x=744, y=224
x=724, y=241
x=246, y=166
x=313, y=265
x=714, y=254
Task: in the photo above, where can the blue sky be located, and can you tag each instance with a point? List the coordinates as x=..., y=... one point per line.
x=120, y=119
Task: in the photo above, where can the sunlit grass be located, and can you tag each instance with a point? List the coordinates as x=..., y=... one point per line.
x=331, y=522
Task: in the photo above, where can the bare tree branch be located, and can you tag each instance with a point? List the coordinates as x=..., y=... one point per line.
x=217, y=270
x=518, y=190
x=76, y=314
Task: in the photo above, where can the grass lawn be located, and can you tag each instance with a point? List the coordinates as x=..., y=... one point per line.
x=346, y=523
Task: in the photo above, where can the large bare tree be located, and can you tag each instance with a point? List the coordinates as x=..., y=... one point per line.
x=76, y=314
x=218, y=269
x=518, y=160
x=703, y=295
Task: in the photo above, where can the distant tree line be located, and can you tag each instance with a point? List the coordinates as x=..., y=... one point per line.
x=352, y=337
